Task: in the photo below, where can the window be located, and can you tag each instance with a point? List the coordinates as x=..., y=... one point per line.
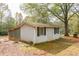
x=56, y=30
x=41, y=31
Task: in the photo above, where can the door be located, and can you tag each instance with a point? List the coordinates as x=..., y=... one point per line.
x=50, y=34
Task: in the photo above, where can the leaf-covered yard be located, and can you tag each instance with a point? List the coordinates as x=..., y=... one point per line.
x=57, y=47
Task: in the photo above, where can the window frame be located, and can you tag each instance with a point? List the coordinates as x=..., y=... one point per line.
x=41, y=31
x=56, y=30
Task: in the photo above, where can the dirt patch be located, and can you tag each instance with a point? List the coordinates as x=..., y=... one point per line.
x=71, y=51
x=10, y=48
x=72, y=39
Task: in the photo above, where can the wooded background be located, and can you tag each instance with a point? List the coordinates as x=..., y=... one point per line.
x=65, y=14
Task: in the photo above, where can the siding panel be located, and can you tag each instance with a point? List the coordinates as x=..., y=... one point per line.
x=14, y=35
x=27, y=33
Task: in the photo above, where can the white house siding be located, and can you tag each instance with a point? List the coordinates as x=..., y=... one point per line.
x=50, y=34
x=27, y=33
x=41, y=38
x=56, y=36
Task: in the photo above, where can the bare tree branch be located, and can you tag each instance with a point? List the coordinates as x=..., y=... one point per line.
x=55, y=14
x=77, y=12
x=70, y=6
x=71, y=16
x=62, y=9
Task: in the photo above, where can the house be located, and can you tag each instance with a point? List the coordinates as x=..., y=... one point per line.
x=35, y=32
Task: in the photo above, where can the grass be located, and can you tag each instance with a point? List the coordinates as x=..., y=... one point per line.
x=48, y=48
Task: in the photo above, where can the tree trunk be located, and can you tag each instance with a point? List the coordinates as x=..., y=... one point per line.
x=66, y=28
x=66, y=20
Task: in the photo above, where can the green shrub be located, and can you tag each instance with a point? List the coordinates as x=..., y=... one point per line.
x=3, y=33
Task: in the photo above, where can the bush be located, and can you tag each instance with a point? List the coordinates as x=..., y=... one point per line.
x=3, y=33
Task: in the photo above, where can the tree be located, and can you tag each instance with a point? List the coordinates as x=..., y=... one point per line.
x=30, y=19
x=36, y=10
x=73, y=24
x=10, y=24
x=3, y=8
x=9, y=20
x=63, y=12
x=77, y=14
x=19, y=18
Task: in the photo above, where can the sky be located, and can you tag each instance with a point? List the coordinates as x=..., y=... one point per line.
x=14, y=6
